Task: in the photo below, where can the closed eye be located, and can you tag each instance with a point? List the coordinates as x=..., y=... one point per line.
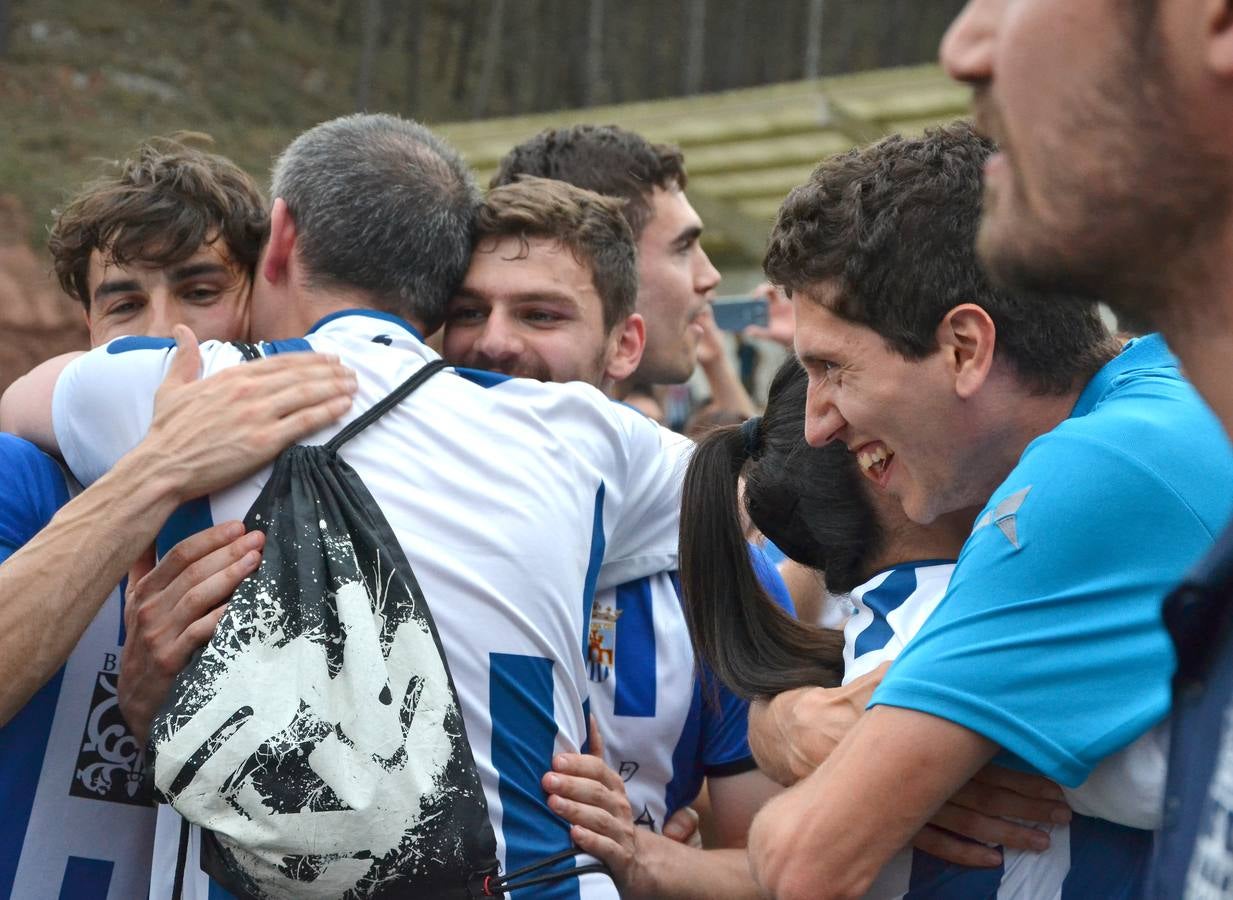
x=464, y=314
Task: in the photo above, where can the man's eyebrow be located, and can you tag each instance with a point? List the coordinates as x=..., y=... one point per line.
x=688, y=235
x=197, y=269
x=116, y=286
x=464, y=294
x=537, y=296
x=548, y=297
x=813, y=359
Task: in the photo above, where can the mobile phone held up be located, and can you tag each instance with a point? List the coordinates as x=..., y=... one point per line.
x=736, y=313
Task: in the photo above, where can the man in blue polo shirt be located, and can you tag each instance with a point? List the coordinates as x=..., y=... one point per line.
x=1092, y=470
x=1156, y=77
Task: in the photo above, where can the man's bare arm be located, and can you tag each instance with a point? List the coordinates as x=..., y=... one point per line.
x=25, y=408
x=795, y=732
x=832, y=833
x=204, y=436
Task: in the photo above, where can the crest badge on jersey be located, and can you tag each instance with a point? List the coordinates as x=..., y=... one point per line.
x=111, y=763
x=601, y=644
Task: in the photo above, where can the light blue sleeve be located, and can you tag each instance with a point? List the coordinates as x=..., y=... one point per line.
x=1049, y=640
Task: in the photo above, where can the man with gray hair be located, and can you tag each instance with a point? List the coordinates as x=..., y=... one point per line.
x=513, y=500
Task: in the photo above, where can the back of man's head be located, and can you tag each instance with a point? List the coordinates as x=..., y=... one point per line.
x=601, y=158
x=158, y=208
x=590, y=225
x=893, y=226
x=383, y=206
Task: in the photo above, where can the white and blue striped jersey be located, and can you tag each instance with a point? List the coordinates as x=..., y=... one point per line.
x=665, y=728
x=76, y=821
x=513, y=500
x=1084, y=857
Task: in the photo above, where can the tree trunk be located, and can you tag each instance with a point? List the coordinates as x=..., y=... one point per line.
x=813, y=40
x=368, y=53
x=695, y=46
x=4, y=28
x=488, y=64
x=412, y=45
x=595, y=52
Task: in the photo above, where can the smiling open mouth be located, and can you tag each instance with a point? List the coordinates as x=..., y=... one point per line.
x=875, y=459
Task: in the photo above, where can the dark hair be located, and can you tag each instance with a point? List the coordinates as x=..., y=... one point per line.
x=591, y=227
x=158, y=207
x=810, y=502
x=894, y=225
x=606, y=159
x=384, y=206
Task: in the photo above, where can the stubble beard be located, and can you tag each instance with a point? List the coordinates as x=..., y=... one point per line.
x=1130, y=231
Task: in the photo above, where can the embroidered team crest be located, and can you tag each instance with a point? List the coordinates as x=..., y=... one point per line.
x=601, y=645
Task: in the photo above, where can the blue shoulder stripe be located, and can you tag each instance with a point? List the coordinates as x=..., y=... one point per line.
x=290, y=345
x=483, y=378
x=125, y=344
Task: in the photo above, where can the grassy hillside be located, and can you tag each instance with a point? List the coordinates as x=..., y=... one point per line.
x=84, y=82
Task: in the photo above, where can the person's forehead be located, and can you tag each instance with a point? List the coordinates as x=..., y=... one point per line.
x=671, y=214
x=508, y=267
x=102, y=265
x=820, y=330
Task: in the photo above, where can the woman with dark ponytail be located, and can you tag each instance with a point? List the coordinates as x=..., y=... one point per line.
x=813, y=504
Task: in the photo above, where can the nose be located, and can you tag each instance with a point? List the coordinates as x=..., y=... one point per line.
x=162, y=314
x=823, y=421
x=967, y=47
x=706, y=276
x=498, y=343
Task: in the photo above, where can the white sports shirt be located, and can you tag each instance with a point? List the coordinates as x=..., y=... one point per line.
x=513, y=501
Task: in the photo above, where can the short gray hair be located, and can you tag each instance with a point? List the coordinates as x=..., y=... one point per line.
x=382, y=205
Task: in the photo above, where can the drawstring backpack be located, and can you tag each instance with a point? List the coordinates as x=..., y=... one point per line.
x=317, y=739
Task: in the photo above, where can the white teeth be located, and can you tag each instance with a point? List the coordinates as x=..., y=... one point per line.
x=870, y=458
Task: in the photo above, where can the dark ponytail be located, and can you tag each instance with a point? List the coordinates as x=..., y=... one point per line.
x=811, y=503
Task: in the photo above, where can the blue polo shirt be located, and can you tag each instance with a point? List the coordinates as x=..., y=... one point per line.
x=1049, y=640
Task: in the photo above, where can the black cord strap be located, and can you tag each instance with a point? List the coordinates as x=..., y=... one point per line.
x=497, y=885
x=383, y=406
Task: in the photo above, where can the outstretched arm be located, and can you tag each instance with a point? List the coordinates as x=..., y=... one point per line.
x=795, y=732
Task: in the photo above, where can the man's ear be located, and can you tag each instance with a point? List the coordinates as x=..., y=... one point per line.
x=281, y=245
x=966, y=338
x=1218, y=22
x=628, y=341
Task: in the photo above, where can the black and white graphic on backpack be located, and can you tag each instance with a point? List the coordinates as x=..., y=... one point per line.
x=318, y=735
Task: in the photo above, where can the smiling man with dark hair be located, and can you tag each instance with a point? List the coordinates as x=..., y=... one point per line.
x=675, y=278
x=1091, y=471
x=1136, y=97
